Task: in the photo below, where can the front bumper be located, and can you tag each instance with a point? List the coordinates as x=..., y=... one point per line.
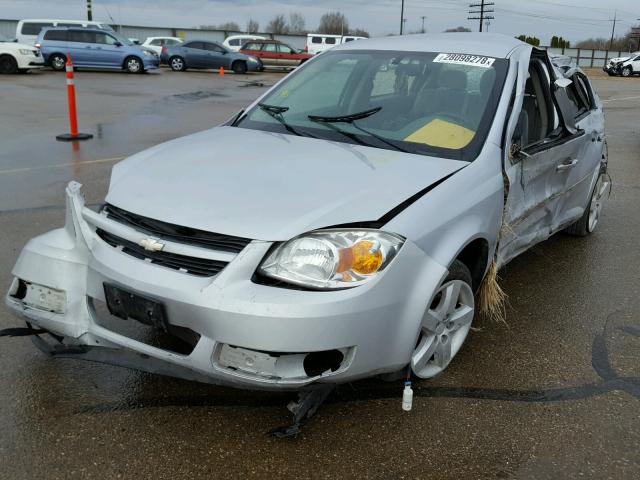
x=374, y=326
x=30, y=61
x=151, y=63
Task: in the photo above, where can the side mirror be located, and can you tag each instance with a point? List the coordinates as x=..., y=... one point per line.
x=118, y=44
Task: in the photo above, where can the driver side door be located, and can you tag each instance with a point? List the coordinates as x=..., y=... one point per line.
x=538, y=169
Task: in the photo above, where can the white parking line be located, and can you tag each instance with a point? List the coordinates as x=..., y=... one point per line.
x=624, y=98
x=68, y=164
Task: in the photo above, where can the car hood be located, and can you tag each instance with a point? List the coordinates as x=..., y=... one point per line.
x=15, y=46
x=268, y=186
x=619, y=59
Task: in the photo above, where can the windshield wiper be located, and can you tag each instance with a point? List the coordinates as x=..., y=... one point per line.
x=350, y=119
x=276, y=111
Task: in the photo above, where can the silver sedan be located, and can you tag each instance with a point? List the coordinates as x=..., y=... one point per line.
x=349, y=223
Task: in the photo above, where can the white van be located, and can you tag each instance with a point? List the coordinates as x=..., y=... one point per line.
x=320, y=42
x=28, y=30
x=235, y=42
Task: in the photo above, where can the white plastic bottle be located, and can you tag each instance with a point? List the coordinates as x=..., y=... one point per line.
x=407, y=397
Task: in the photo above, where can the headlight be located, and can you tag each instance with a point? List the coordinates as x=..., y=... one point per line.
x=332, y=259
x=148, y=53
x=24, y=51
x=253, y=59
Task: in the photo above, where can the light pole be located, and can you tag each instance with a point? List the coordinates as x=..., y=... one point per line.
x=423, y=17
x=402, y=17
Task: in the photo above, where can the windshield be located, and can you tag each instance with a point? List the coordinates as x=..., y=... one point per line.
x=120, y=38
x=426, y=103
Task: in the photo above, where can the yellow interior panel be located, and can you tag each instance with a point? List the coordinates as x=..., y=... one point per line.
x=443, y=134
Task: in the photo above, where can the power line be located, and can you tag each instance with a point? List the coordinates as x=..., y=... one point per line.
x=483, y=12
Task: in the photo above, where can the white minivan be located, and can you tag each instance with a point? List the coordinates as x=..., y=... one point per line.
x=28, y=30
x=320, y=42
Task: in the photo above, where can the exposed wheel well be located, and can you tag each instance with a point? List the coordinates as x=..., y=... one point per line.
x=475, y=256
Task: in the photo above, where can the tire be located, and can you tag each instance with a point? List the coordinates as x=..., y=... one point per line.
x=177, y=64
x=239, y=67
x=8, y=64
x=627, y=72
x=133, y=65
x=445, y=324
x=591, y=216
x=58, y=62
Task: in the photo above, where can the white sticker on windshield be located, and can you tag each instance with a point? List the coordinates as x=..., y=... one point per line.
x=462, y=59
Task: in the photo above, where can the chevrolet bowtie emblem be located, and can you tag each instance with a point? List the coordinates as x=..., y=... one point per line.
x=151, y=244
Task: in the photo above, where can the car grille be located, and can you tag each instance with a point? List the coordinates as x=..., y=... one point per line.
x=177, y=233
x=201, y=267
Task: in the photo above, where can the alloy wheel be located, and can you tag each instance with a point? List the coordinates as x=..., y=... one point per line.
x=595, y=208
x=444, y=328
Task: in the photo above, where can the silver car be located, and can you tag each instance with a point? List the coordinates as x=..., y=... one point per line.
x=346, y=224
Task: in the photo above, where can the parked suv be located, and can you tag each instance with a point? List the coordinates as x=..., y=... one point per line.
x=273, y=53
x=94, y=48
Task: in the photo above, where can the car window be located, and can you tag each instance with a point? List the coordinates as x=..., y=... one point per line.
x=584, y=90
x=105, y=39
x=82, y=36
x=251, y=46
x=330, y=40
x=316, y=39
x=235, y=42
x=197, y=45
x=32, y=28
x=157, y=42
x=421, y=102
x=56, y=35
x=541, y=113
x=212, y=47
x=270, y=47
x=67, y=25
x=286, y=49
x=349, y=40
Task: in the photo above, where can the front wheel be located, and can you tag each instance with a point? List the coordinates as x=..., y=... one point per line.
x=239, y=67
x=177, y=64
x=8, y=64
x=445, y=324
x=627, y=72
x=133, y=65
x=58, y=62
x=591, y=216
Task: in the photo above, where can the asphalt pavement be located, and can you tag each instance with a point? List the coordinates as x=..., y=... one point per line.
x=553, y=393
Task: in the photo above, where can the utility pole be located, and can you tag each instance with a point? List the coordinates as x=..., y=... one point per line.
x=486, y=25
x=89, y=13
x=423, y=17
x=482, y=12
x=402, y=17
x=613, y=30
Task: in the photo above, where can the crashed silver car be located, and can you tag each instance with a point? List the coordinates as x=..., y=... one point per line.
x=338, y=228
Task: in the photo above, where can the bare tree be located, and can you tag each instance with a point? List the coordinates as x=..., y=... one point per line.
x=253, y=26
x=278, y=24
x=458, y=29
x=229, y=27
x=359, y=32
x=296, y=23
x=334, y=23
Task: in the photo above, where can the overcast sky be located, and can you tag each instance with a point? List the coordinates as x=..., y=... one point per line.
x=573, y=19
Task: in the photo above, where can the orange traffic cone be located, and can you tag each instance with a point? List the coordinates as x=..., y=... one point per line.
x=222, y=71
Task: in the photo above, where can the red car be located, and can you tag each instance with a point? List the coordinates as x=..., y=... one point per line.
x=273, y=53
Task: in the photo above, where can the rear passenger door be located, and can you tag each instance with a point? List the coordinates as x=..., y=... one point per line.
x=270, y=55
x=589, y=119
x=287, y=56
x=82, y=48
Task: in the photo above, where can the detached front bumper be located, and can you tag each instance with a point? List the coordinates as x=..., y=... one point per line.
x=245, y=334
